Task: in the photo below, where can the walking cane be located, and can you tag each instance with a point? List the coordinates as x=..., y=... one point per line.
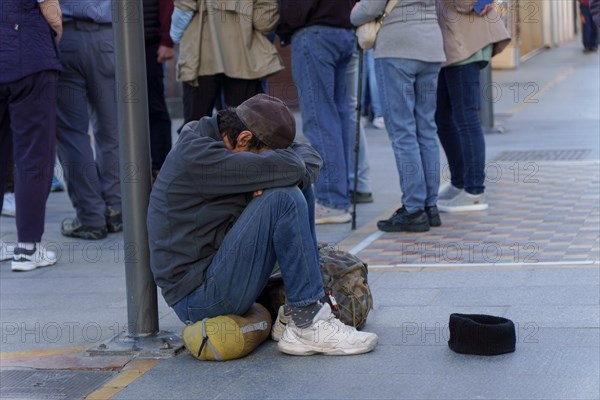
x=357, y=138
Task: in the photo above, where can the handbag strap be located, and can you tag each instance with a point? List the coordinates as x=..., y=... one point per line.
x=388, y=8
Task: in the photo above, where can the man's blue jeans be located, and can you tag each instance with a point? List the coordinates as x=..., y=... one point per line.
x=320, y=56
x=277, y=226
x=459, y=126
x=407, y=89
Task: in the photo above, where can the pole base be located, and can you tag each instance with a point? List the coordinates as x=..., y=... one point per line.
x=161, y=345
x=494, y=129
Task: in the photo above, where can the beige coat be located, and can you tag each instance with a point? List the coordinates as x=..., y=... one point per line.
x=465, y=32
x=228, y=37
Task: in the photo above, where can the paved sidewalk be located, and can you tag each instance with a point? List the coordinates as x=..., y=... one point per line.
x=533, y=257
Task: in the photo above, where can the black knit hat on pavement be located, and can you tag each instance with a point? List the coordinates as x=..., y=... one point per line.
x=269, y=119
x=484, y=335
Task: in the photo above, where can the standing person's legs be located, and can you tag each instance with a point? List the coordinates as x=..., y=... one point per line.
x=364, y=169
x=589, y=31
x=342, y=102
x=74, y=147
x=316, y=53
x=160, y=122
x=462, y=83
x=33, y=124
x=396, y=79
x=237, y=91
x=100, y=74
x=274, y=226
x=199, y=101
x=5, y=140
x=448, y=132
x=373, y=91
x=425, y=102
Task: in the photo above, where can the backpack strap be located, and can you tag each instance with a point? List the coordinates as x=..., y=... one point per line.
x=206, y=342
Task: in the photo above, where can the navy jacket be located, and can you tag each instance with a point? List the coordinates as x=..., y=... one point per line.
x=27, y=44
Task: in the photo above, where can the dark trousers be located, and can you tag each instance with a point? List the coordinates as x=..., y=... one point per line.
x=589, y=30
x=160, y=122
x=87, y=93
x=459, y=126
x=9, y=183
x=28, y=128
x=199, y=101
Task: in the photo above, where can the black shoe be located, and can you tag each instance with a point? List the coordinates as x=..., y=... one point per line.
x=114, y=220
x=402, y=221
x=362, y=197
x=72, y=227
x=434, y=216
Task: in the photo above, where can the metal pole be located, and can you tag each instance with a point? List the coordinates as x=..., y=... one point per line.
x=487, y=104
x=134, y=154
x=357, y=138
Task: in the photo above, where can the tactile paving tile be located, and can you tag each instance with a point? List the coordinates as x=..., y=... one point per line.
x=539, y=212
x=543, y=155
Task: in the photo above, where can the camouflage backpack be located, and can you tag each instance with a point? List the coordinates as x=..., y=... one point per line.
x=345, y=282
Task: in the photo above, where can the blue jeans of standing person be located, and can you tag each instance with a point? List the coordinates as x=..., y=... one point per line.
x=407, y=89
x=589, y=30
x=320, y=56
x=363, y=183
x=277, y=226
x=459, y=126
x=369, y=85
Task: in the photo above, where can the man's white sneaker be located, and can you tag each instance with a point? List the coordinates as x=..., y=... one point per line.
x=327, y=335
x=28, y=260
x=280, y=324
x=9, y=207
x=6, y=251
x=327, y=215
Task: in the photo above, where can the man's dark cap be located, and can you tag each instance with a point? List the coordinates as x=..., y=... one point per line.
x=484, y=335
x=269, y=119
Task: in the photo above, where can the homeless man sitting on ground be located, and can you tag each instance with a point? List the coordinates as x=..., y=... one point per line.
x=234, y=196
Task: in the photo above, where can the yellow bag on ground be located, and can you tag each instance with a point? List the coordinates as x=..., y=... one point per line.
x=228, y=337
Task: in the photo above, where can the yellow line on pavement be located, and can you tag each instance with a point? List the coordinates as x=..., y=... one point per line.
x=41, y=353
x=562, y=76
x=133, y=371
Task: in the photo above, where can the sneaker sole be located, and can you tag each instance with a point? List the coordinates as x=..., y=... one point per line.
x=85, y=236
x=9, y=213
x=25, y=266
x=338, y=219
x=307, y=350
x=435, y=223
x=451, y=209
x=112, y=228
x=405, y=228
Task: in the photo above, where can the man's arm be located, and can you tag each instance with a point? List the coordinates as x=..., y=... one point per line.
x=217, y=171
x=165, y=49
x=312, y=161
x=52, y=14
x=367, y=10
